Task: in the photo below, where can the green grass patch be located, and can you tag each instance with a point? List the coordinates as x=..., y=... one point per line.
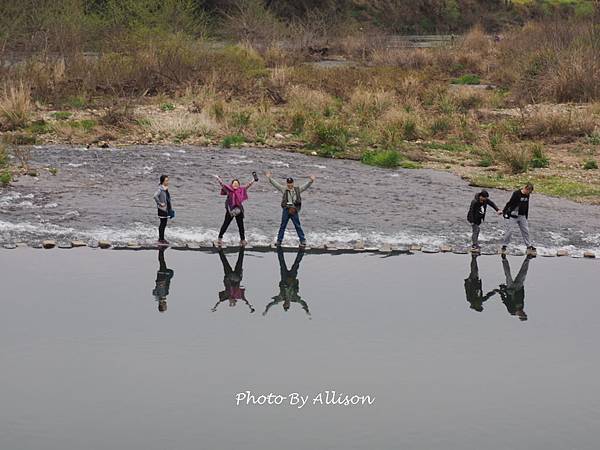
x=167, y=107
x=539, y=159
x=234, y=140
x=61, y=115
x=382, y=158
x=86, y=125
x=549, y=185
x=76, y=102
x=40, y=127
x=467, y=79
x=590, y=164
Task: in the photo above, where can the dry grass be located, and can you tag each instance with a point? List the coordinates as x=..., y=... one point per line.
x=15, y=105
x=182, y=125
x=568, y=124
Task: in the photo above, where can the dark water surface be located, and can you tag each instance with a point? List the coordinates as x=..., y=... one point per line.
x=88, y=361
x=107, y=194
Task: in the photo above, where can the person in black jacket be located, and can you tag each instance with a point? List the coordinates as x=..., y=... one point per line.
x=516, y=212
x=513, y=292
x=476, y=214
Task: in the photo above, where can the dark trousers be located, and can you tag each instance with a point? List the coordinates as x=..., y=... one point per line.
x=161, y=228
x=228, y=219
x=295, y=218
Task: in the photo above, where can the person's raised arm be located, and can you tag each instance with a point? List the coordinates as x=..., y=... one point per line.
x=274, y=183
x=223, y=185
x=308, y=184
x=250, y=183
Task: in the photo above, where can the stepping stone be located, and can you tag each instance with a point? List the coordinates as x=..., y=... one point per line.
x=461, y=251
x=475, y=250
x=10, y=246
x=49, y=243
x=562, y=252
x=21, y=244
x=415, y=248
x=78, y=243
x=359, y=246
x=401, y=248
x=531, y=253
x=431, y=250
x=36, y=245
x=386, y=248
x=589, y=254
x=330, y=246
x=193, y=246
x=445, y=248
x=216, y=245
x=64, y=245
x=133, y=246
x=93, y=244
x=104, y=244
x=489, y=251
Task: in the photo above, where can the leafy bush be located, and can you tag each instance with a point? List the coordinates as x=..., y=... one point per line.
x=234, y=140
x=331, y=134
x=382, y=158
x=5, y=178
x=539, y=159
x=590, y=164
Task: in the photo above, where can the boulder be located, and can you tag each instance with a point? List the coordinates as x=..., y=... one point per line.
x=49, y=243
x=78, y=244
x=104, y=244
x=589, y=254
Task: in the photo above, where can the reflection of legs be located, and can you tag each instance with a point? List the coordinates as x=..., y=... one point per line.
x=285, y=218
x=506, y=267
x=240, y=262
x=508, y=231
x=282, y=265
x=161, y=261
x=475, y=236
x=161, y=228
x=520, y=279
x=226, y=222
x=239, y=219
x=474, y=269
x=226, y=266
x=294, y=270
x=524, y=227
x=299, y=230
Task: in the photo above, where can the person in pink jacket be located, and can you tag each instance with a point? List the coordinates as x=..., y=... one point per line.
x=234, y=208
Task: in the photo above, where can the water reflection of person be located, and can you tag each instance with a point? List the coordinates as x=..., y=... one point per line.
x=474, y=289
x=289, y=285
x=513, y=292
x=163, y=281
x=232, y=280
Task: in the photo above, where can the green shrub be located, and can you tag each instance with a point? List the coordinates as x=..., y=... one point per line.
x=590, y=164
x=62, y=115
x=381, y=158
x=5, y=178
x=331, y=134
x=467, y=79
x=594, y=138
x=486, y=161
x=234, y=140
x=240, y=119
x=298, y=123
x=440, y=125
x=409, y=130
x=328, y=151
x=539, y=159
x=77, y=102
x=86, y=125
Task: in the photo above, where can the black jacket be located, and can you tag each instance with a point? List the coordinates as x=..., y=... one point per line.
x=518, y=205
x=477, y=210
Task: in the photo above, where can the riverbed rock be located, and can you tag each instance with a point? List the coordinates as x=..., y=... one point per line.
x=589, y=254
x=134, y=246
x=445, y=248
x=415, y=247
x=562, y=252
x=430, y=249
x=49, y=243
x=359, y=246
x=104, y=244
x=64, y=245
x=76, y=244
x=10, y=246
x=386, y=248
x=193, y=246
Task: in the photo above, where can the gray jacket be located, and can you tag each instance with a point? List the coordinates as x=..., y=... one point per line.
x=291, y=196
x=160, y=197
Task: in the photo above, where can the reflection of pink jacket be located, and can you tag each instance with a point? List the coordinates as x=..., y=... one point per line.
x=235, y=197
x=235, y=293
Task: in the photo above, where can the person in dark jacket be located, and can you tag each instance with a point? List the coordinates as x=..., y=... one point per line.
x=162, y=197
x=474, y=288
x=289, y=286
x=513, y=292
x=163, y=281
x=516, y=212
x=291, y=203
x=476, y=215
x=232, y=281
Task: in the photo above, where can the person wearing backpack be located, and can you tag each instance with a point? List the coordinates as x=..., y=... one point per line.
x=291, y=203
x=476, y=215
x=516, y=212
x=234, y=208
x=162, y=197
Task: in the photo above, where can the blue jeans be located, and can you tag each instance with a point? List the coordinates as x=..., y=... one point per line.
x=285, y=218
